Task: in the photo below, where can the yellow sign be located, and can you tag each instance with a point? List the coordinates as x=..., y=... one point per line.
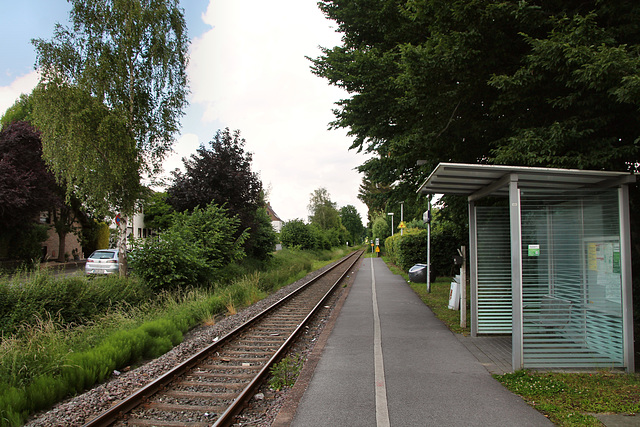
x=402, y=225
x=371, y=244
x=377, y=248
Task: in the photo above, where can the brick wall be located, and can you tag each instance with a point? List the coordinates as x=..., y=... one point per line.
x=71, y=242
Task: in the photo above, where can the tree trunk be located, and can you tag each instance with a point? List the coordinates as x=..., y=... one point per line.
x=122, y=246
x=62, y=237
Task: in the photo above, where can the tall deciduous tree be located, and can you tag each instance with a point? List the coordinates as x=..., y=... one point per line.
x=530, y=83
x=63, y=211
x=323, y=212
x=20, y=111
x=112, y=91
x=26, y=186
x=221, y=174
x=350, y=218
x=553, y=84
x=27, y=189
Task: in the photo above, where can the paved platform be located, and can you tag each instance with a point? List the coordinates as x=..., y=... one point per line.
x=493, y=352
x=390, y=362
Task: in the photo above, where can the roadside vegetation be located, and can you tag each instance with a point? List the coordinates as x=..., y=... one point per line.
x=62, y=336
x=567, y=399
x=572, y=399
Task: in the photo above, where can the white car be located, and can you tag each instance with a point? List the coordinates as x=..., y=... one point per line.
x=102, y=261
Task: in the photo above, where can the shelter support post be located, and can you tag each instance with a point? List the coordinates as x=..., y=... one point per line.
x=626, y=282
x=516, y=272
x=473, y=268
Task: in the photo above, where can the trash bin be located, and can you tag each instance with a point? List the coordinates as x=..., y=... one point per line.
x=418, y=273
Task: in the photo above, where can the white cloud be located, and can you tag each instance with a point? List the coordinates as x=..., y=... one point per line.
x=186, y=144
x=249, y=72
x=23, y=84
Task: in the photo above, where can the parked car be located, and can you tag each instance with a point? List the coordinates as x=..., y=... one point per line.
x=102, y=261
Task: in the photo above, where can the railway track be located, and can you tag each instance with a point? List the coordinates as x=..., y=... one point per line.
x=214, y=385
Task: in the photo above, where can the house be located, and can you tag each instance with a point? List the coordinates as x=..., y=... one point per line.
x=51, y=246
x=136, y=227
x=276, y=222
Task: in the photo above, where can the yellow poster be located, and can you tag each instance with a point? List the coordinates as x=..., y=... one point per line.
x=592, y=257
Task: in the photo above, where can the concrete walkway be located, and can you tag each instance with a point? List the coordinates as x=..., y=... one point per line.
x=390, y=362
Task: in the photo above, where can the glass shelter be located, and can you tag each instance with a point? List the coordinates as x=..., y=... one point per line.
x=549, y=261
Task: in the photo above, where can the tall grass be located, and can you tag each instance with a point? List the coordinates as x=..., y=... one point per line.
x=73, y=333
x=72, y=301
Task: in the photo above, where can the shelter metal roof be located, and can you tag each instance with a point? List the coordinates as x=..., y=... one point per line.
x=470, y=179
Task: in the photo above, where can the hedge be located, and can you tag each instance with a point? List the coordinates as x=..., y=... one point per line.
x=411, y=248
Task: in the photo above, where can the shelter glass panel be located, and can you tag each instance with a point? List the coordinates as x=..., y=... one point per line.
x=494, y=270
x=572, y=304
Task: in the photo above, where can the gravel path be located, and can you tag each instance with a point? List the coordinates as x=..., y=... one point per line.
x=263, y=409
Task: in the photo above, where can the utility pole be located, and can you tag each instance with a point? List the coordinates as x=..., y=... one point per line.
x=391, y=214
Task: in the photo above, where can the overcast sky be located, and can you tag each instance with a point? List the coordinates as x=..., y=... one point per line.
x=247, y=71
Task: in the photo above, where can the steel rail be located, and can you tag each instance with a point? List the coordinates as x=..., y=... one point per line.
x=111, y=415
x=227, y=417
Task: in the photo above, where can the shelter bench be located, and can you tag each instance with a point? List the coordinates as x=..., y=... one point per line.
x=554, y=313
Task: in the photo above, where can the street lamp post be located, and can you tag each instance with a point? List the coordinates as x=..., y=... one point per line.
x=401, y=217
x=391, y=215
x=427, y=218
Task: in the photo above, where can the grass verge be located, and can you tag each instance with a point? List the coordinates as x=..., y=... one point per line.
x=51, y=357
x=571, y=399
x=567, y=399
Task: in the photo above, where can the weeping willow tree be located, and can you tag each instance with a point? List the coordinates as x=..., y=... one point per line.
x=112, y=91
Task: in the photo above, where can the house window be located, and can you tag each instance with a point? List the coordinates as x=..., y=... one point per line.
x=44, y=218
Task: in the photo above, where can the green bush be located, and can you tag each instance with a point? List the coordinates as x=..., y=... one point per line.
x=215, y=232
x=390, y=246
x=285, y=373
x=102, y=238
x=411, y=248
x=187, y=254
x=25, y=242
x=444, y=246
x=262, y=240
x=321, y=239
x=170, y=261
x=297, y=234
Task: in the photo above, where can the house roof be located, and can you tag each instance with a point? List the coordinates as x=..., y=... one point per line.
x=272, y=214
x=482, y=180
